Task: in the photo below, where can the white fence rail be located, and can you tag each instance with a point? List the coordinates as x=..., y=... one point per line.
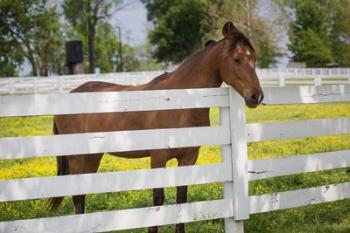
x=233, y=134
x=304, y=76
x=268, y=77
x=26, y=147
x=267, y=168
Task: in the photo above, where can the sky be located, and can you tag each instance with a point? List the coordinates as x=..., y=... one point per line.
x=133, y=22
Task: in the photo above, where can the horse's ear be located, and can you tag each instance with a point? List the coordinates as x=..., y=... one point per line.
x=229, y=30
x=209, y=43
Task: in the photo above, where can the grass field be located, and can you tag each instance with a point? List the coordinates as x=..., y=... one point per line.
x=330, y=217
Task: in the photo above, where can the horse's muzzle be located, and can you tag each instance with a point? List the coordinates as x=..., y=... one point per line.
x=254, y=100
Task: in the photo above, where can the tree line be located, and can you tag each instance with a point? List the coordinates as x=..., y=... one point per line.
x=34, y=32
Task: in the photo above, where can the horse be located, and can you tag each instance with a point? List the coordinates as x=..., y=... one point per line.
x=231, y=60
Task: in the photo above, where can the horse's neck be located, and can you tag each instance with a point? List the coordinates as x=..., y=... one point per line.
x=198, y=71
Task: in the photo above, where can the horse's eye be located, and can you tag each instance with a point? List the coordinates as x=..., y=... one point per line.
x=237, y=60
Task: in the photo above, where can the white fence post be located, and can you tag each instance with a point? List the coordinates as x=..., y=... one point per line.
x=34, y=85
x=60, y=84
x=318, y=80
x=281, y=78
x=231, y=226
x=239, y=156
x=11, y=85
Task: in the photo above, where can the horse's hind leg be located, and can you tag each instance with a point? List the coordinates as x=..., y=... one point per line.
x=181, y=191
x=79, y=164
x=158, y=160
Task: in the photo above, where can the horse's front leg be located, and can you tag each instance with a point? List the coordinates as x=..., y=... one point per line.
x=158, y=160
x=181, y=197
x=187, y=159
x=158, y=199
x=79, y=164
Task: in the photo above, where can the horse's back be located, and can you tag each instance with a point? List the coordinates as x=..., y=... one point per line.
x=80, y=123
x=99, y=86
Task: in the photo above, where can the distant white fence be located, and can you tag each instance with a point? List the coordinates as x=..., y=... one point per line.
x=268, y=77
x=304, y=76
x=235, y=171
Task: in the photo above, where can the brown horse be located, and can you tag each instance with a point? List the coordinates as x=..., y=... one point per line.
x=230, y=60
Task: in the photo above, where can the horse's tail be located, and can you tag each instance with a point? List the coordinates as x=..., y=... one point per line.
x=62, y=169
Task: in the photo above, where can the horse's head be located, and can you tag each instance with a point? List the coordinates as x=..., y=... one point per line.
x=237, y=65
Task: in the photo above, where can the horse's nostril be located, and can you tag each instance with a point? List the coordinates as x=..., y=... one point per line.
x=254, y=98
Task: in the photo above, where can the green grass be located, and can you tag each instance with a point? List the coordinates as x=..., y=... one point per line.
x=329, y=217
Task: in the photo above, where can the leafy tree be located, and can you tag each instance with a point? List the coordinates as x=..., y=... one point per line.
x=340, y=35
x=309, y=35
x=146, y=61
x=106, y=48
x=177, y=28
x=85, y=15
x=320, y=30
x=267, y=51
x=30, y=29
x=10, y=58
x=106, y=51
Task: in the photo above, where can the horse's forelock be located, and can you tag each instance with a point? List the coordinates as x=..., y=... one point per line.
x=241, y=39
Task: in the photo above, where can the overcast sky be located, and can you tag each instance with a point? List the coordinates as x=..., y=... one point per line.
x=133, y=22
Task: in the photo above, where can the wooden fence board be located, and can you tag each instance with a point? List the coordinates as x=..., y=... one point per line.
x=267, y=168
x=297, y=129
x=123, y=219
x=306, y=94
x=118, y=141
x=297, y=198
x=31, y=188
x=101, y=102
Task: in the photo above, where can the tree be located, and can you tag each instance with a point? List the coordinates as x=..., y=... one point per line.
x=177, y=28
x=319, y=30
x=30, y=29
x=106, y=53
x=146, y=61
x=10, y=59
x=340, y=32
x=245, y=14
x=106, y=47
x=309, y=35
x=85, y=15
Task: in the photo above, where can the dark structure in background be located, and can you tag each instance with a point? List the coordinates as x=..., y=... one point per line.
x=74, y=57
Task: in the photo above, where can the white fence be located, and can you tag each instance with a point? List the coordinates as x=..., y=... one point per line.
x=268, y=77
x=232, y=133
